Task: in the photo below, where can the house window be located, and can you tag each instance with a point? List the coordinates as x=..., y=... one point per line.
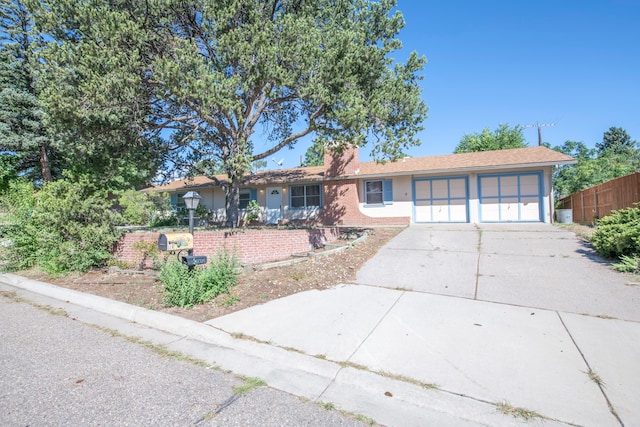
x=378, y=192
x=176, y=201
x=246, y=195
x=305, y=196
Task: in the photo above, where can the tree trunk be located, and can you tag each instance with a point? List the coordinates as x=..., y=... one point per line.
x=45, y=167
x=232, y=202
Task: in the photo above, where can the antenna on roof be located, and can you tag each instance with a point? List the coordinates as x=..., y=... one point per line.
x=539, y=125
x=278, y=163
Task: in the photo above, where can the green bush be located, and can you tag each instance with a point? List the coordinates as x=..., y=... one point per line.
x=618, y=234
x=186, y=288
x=253, y=211
x=63, y=227
x=170, y=220
x=628, y=264
x=163, y=215
x=137, y=208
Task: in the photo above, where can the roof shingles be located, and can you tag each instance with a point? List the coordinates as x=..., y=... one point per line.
x=483, y=160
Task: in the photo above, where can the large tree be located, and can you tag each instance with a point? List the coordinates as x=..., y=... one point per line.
x=502, y=138
x=616, y=141
x=39, y=145
x=24, y=139
x=236, y=80
x=314, y=156
x=616, y=156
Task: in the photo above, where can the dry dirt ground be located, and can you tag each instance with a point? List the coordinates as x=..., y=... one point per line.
x=254, y=287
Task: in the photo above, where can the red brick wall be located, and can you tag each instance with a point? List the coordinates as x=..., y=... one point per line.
x=340, y=199
x=344, y=163
x=341, y=207
x=250, y=246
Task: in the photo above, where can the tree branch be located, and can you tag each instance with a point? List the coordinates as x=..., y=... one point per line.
x=294, y=136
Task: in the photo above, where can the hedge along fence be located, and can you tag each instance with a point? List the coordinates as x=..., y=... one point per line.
x=598, y=201
x=251, y=246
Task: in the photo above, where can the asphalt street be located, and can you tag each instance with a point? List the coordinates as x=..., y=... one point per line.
x=57, y=371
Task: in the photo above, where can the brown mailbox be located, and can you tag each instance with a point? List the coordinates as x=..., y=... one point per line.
x=175, y=241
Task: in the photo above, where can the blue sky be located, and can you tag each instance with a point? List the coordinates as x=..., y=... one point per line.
x=572, y=63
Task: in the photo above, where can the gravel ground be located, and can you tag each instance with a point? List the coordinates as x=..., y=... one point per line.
x=55, y=371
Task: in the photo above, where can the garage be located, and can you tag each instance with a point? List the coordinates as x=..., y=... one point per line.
x=510, y=197
x=443, y=199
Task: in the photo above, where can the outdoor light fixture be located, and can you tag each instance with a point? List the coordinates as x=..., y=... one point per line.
x=191, y=200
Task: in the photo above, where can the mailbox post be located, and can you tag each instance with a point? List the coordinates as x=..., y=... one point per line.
x=191, y=200
x=181, y=241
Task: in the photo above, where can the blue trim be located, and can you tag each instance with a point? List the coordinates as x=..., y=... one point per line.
x=387, y=192
x=430, y=200
x=174, y=200
x=518, y=197
x=253, y=194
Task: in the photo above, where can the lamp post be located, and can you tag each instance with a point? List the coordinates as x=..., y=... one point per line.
x=191, y=201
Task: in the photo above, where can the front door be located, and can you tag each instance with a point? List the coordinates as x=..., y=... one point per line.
x=274, y=204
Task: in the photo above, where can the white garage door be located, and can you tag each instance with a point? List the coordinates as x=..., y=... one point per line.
x=510, y=197
x=440, y=199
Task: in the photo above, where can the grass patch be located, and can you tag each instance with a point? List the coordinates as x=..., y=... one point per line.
x=526, y=414
x=249, y=383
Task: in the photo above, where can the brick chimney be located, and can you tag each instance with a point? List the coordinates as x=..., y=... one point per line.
x=341, y=163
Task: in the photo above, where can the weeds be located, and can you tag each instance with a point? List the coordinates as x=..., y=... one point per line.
x=249, y=383
x=297, y=276
x=595, y=378
x=47, y=308
x=507, y=409
x=327, y=405
x=230, y=301
x=187, y=287
x=365, y=419
x=428, y=386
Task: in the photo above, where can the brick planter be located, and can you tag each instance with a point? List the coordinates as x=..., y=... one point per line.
x=251, y=246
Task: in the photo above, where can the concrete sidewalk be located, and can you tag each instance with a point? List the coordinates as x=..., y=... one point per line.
x=445, y=324
x=482, y=353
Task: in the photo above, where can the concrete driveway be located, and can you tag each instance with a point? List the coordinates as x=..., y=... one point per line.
x=473, y=319
x=531, y=265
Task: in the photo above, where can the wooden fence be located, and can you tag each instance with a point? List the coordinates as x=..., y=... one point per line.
x=596, y=202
